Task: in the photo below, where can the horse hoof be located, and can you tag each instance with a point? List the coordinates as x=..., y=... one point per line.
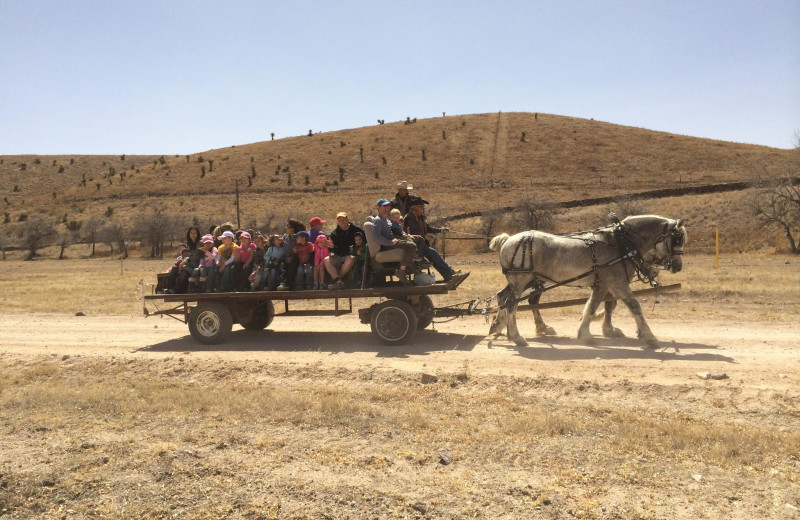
x=614, y=333
x=587, y=340
x=521, y=342
x=652, y=344
x=546, y=331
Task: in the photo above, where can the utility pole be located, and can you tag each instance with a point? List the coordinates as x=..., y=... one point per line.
x=238, y=220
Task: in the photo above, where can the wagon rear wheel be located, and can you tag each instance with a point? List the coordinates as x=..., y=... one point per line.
x=394, y=322
x=210, y=323
x=260, y=317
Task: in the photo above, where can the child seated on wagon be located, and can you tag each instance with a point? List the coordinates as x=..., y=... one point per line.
x=208, y=264
x=359, y=250
x=225, y=260
x=322, y=249
x=273, y=261
x=258, y=278
x=305, y=266
x=174, y=272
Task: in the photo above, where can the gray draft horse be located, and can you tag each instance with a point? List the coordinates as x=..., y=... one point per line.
x=607, y=260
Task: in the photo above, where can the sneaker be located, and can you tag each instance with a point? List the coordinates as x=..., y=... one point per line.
x=283, y=287
x=339, y=284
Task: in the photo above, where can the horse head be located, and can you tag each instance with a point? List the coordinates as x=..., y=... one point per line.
x=659, y=240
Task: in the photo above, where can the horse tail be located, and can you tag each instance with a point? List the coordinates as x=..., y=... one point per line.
x=498, y=241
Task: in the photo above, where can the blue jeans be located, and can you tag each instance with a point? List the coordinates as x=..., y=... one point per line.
x=228, y=277
x=275, y=275
x=305, y=274
x=210, y=274
x=358, y=271
x=438, y=262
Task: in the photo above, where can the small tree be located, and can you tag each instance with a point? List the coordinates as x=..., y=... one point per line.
x=115, y=233
x=777, y=206
x=153, y=228
x=487, y=227
x=532, y=212
x=91, y=229
x=3, y=243
x=37, y=233
x=70, y=236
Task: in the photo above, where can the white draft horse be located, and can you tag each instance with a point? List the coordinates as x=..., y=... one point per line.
x=607, y=260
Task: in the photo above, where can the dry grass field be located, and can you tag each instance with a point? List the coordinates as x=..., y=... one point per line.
x=113, y=415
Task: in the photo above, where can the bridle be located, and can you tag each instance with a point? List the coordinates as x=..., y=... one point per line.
x=674, y=240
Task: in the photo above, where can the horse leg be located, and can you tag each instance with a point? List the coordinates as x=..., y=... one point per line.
x=644, y=331
x=542, y=329
x=589, y=309
x=499, y=321
x=609, y=330
x=513, y=332
x=507, y=300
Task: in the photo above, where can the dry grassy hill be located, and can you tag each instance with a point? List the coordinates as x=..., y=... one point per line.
x=459, y=163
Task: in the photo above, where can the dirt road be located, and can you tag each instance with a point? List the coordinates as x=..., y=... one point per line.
x=752, y=354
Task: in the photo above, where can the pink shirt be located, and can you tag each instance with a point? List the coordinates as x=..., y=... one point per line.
x=245, y=253
x=320, y=252
x=210, y=259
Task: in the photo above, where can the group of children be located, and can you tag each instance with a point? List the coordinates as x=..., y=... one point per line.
x=224, y=260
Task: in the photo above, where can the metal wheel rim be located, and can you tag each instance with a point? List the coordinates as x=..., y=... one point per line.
x=392, y=323
x=208, y=323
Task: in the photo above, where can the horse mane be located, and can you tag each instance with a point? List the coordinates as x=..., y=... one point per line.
x=498, y=241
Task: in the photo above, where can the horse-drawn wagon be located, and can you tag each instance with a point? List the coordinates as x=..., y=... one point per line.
x=394, y=319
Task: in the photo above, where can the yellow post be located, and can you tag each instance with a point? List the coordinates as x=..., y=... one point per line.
x=716, y=242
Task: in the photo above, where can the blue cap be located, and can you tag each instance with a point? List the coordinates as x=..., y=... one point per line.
x=383, y=202
x=303, y=234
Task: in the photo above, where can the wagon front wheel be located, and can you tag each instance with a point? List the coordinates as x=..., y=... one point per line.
x=426, y=312
x=210, y=323
x=394, y=322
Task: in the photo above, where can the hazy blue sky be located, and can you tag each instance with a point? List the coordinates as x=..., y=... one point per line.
x=177, y=77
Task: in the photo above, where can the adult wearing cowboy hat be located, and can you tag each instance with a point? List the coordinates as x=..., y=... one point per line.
x=402, y=200
x=417, y=227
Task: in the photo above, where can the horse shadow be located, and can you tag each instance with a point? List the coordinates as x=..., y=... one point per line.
x=423, y=343
x=556, y=348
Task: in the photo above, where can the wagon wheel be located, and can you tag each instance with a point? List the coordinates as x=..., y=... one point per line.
x=210, y=323
x=394, y=322
x=425, y=312
x=260, y=316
